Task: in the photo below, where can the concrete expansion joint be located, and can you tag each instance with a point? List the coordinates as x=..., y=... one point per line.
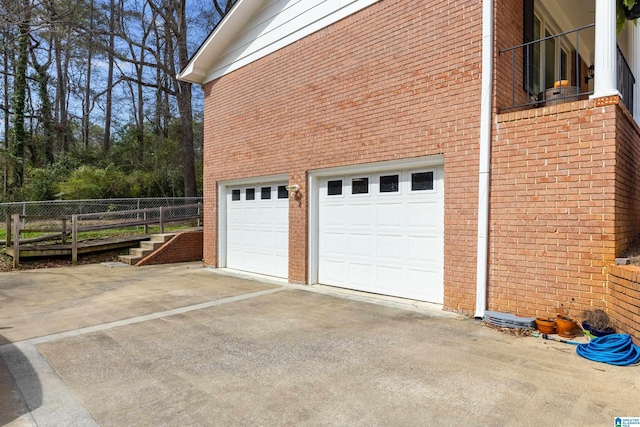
x=49, y=400
x=145, y=318
x=57, y=405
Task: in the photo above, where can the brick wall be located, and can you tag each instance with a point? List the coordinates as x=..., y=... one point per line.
x=623, y=299
x=627, y=184
x=552, y=215
x=183, y=247
x=565, y=198
x=400, y=79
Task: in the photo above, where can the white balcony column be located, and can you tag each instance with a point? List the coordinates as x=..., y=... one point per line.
x=605, y=79
x=635, y=67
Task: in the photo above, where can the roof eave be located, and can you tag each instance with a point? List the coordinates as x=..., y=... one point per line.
x=198, y=67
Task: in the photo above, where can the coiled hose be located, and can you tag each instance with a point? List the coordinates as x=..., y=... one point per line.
x=614, y=349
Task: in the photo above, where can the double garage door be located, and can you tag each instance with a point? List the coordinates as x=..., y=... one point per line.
x=377, y=232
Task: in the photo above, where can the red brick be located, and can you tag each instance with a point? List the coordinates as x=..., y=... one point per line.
x=386, y=84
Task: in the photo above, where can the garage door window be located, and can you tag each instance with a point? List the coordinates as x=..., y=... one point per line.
x=389, y=183
x=360, y=186
x=334, y=188
x=422, y=181
x=282, y=192
x=235, y=195
x=250, y=194
x=265, y=193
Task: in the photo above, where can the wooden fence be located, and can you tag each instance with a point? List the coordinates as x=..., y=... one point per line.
x=71, y=225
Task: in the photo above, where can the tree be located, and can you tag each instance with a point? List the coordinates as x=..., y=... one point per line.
x=110, y=63
x=176, y=20
x=174, y=14
x=42, y=78
x=19, y=95
x=85, y=70
x=7, y=44
x=86, y=102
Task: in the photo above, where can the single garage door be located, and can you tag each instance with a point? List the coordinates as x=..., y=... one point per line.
x=383, y=233
x=258, y=229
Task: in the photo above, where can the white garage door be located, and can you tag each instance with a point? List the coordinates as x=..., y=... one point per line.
x=258, y=229
x=383, y=233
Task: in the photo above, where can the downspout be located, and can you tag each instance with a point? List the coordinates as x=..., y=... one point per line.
x=485, y=156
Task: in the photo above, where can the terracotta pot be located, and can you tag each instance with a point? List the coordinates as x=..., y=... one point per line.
x=566, y=326
x=546, y=325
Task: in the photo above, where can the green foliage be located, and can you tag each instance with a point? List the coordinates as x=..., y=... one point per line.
x=65, y=163
x=129, y=169
x=621, y=20
x=43, y=183
x=90, y=182
x=40, y=184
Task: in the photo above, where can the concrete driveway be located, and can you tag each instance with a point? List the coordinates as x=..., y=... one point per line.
x=186, y=345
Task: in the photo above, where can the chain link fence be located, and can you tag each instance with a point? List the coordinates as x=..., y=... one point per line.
x=71, y=207
x=43, y=216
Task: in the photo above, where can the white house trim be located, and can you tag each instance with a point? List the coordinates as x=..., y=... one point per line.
x=220, y=37
x=605, y=82
x=254, y=29
x=634, y=31
x=486, y=95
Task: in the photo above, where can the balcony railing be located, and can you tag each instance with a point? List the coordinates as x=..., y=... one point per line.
x=626, y=81
x=528, y=88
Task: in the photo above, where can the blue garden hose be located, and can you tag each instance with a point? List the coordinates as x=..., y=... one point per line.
x=614, y=349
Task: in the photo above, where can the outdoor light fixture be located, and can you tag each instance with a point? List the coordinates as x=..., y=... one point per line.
x=293, y=188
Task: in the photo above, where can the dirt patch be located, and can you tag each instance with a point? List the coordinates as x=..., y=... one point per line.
x=6, y=262
x=516, y=332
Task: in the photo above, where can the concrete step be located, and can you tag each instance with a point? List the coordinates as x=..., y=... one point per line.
x=146, y=248
x=129, y=259
x=151, y=245
x=140, y=252
x=165, y=237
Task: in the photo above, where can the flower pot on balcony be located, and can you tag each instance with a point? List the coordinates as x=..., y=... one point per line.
x=566, y=326
x=633, y=13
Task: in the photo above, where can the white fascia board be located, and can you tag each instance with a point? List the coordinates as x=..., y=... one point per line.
x=231, y=24
x=212, y=60
x=346, y=8
x=192, y=74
